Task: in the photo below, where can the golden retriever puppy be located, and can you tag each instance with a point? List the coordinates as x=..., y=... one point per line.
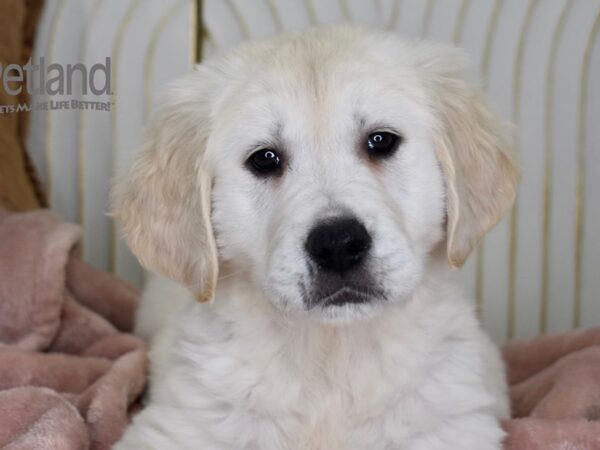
x=315, y=193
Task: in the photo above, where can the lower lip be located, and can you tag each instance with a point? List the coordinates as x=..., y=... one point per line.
x=345, y=297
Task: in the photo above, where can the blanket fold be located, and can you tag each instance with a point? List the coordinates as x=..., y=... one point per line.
x=555, y=392
x=69, y=371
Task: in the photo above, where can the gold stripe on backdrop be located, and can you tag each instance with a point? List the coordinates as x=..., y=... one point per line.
x=394, y=15
x=276, y=16
x=514, y=216
x=460, y=21
x=239, y=18
x=549, y=151
x=427, y=15
x=312, y=13
x=345, y=8
x=197, y=31
x=163, y=21
x=116, y=55
x=581, y=143
x=485, y=69
x=82, y=123
x=60, y=6
x=209, y=39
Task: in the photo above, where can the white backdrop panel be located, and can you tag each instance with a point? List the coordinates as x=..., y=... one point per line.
x=538, y=270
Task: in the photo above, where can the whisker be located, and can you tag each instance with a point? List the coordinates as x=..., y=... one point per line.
x=229, y=275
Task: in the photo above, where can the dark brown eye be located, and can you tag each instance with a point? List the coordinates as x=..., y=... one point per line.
x=264, y=162
x=382, y=144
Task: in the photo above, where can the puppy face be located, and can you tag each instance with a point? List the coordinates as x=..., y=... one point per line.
x=323, y=167
x=327, y=187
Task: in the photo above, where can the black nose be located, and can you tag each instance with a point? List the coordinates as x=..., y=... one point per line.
x=339, y=244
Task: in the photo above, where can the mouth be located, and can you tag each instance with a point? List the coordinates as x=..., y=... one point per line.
x=344, y=296
x=328, y=290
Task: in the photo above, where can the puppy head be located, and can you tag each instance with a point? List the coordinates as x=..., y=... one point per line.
x=321, y=168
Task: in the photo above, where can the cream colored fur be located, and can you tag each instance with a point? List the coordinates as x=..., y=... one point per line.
x=255, y=368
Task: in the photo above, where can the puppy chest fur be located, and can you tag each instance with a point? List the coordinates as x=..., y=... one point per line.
x=263, y=383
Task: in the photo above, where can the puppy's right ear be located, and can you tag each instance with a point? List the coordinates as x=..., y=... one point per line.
x=163, y=204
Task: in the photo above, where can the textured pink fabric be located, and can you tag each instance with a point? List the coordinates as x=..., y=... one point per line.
x=69, y=372
x=555, y=392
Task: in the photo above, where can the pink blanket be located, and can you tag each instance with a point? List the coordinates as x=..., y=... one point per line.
x=555, y=392
x=70, y=374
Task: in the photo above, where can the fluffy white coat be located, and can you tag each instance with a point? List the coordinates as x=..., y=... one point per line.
x=259, y=368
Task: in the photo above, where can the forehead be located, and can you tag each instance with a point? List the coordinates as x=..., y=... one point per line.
x=310, y=85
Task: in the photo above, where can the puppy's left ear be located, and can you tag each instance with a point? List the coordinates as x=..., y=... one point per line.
x=163, y=204
x=473, y=150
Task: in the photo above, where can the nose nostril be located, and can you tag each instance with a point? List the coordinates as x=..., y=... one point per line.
x=338, y=245
x=355, y=248
x=323, y=254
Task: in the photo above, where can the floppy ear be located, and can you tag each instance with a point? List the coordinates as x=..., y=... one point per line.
x=163, y=203
x=472, y=148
